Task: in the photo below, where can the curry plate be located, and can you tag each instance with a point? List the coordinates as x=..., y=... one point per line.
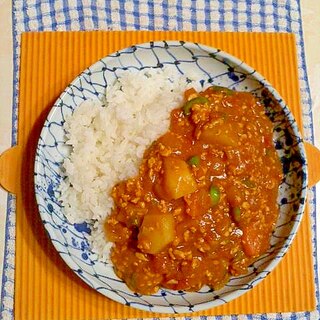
x=212, y=66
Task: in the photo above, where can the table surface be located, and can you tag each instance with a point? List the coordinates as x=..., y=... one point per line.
x=311, y=32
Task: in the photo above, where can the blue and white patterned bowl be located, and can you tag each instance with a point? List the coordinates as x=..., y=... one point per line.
x=213, y=66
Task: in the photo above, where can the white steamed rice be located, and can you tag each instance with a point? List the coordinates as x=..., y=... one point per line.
x=108, y=140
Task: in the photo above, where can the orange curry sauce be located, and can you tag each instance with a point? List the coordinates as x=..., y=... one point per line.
x=204, y=204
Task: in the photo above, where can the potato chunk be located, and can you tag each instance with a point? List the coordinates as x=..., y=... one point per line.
x=178, y=179
x=156, y=232
x=221, y=134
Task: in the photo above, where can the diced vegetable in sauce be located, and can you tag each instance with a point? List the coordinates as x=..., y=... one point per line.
x=215, y=195
x=203, y=206
x=198, y=203
x=236, y=212
x=220, y=134
x=178, y=179
x=253, y=241
x=219, y=89
x=189, y=104
x=156, y=232
x=194, y=161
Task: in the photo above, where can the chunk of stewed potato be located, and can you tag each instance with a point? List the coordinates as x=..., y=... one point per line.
x=156, y=232
x=220, y=134
x=178, y=179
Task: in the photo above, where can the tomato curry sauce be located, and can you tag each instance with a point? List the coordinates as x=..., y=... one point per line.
x=204, y=204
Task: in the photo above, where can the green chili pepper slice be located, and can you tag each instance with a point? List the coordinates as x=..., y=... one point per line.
x=227, y=91
x=194, y=161
x=189, y=104
x=214, y=194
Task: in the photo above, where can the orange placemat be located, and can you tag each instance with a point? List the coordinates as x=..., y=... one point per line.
x=45, y=288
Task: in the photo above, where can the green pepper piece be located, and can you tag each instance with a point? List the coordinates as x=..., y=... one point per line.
x=236, y=212
x=227, y=91
x=214, y=194
x=194, y=161
x=189, y=104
